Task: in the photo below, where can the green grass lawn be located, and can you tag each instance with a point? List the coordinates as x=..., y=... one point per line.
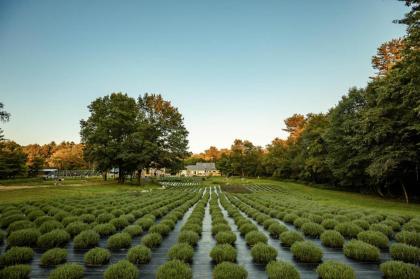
x=329, y=197
x=69, y=187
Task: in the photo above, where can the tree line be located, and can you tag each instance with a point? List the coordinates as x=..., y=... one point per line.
x=368, y=142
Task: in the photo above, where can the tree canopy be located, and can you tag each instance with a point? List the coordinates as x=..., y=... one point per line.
x=131, y=134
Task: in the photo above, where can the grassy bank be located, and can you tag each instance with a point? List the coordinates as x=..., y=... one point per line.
x=328, y=197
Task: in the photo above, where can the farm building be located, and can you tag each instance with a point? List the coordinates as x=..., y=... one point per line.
x=201, y=169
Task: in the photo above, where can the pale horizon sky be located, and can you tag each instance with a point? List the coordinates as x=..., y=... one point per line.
x=235, y=69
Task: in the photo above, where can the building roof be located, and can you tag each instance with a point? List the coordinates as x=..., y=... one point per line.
x=202, y=167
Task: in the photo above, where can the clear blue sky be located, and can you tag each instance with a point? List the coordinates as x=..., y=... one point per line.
x=235, y=69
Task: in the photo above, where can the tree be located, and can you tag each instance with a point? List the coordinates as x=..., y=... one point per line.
x=68, y=156
x=134, y=135
x=387, y=56
x=108, y=132
x=314, y=149
x=294, y=126
x=348, y=154
x=392, y=117
x=167, y=135
x=12, y=159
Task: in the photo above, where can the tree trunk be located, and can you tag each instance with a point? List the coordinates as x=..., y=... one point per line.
x=120, y=175
x=405, y=192
x=139, y=176
x=105, y=175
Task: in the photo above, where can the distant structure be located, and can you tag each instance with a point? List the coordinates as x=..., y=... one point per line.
x=200, y=169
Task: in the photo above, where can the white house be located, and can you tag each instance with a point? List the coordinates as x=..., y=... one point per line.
x=201, y=169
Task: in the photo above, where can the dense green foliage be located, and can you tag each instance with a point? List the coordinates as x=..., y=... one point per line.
x=281, y=270
x=133, y=134
x=53, y=256
x=174, y=269
x=228, y=270
x=97, y=256
x=122, y=269
x=335, y=270
x=67, y=271
x=19, y=271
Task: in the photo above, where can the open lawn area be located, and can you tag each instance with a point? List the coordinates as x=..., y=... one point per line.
x=37, y=189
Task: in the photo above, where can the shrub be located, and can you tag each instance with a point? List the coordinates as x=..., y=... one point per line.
x=331, y=238
x=161, y=229
x=329, y=224
x=306, y=251
x=133, y=230
x=246, y=228
x=19, y=225
x=76, y=227
x=119, y=241
x=410, y=238
x=298, y=222
x=181, y=251
x=276, y=229
x=290, y=218
x=169, y=223
x=267, y=223
x=17, y=255
x=7, y=220
x=23, y=237
x=219, y=228
x=254, y=237
x=67, y=271
x=105, y=229
x=385, y=229
x=290, y=237
x=50, y=226
x=228, y=270
x=145, y=222
x=335, y=270
x=122, y=269
x=69, y=220
x=192, y=227
x=189, y=237
x=87, y=218
x=151, y=240
x=226, y=237
x=263, y=253
x=174, y=269
x=55, y=238
x=86, y=239
x=97, y=256
x=362, y=223
x=19, y=271
x=139, y=254
x=361, y=251
x=104, y=218
x=348, y=229
x=375, y=238
x=397, y=270
x=405, y=253
x=312, y=229
x=53, y=256
x=223, y=252
x=281, y=270
x=119, y=223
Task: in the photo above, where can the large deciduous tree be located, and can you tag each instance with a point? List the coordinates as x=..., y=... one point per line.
x=131, y=135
